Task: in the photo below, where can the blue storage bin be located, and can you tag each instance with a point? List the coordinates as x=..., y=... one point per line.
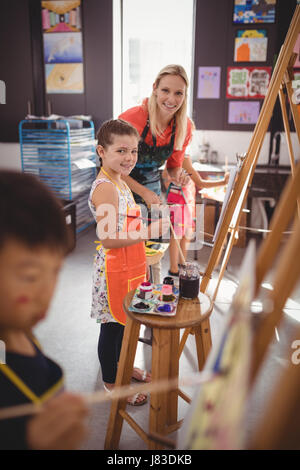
x=64, y=158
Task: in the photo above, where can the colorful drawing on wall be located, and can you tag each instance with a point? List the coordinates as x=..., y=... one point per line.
x=243, y=112
x=251, y=46
x=297, y=50
x=209, y=82
x=61, y=16
x=247, y=82
x=254, y=11
x=62, y=48
x=64, y=78
x=63, y=53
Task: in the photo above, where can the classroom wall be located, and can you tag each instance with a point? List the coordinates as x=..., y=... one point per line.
x=228, y=143
x=214, y=47
x=22, y=68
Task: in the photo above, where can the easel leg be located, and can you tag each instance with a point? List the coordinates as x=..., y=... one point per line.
x=287, y=128
x=224, y=263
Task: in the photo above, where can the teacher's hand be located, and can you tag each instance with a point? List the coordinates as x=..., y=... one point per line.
x=179, y=176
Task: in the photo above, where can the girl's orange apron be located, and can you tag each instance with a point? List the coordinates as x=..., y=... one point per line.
x=125, y=268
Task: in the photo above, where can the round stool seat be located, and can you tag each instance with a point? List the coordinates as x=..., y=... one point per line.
x=189, y=313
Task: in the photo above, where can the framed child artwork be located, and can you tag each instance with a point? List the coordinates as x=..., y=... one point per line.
x=251, y=45
x=254, y=11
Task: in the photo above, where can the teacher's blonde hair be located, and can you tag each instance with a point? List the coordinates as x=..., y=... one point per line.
x=181, y=114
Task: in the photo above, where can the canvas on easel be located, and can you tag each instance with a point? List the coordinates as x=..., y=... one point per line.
x=288, y=266
x=214, y=420
x=280, y=430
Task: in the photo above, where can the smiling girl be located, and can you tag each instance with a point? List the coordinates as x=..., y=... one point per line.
x=120, y=263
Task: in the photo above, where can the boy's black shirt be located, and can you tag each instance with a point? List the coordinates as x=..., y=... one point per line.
x=39, y=374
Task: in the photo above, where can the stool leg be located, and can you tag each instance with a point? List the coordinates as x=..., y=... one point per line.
x=124, y=373
x=203, y=342
x=173, y=373
x=160, y=370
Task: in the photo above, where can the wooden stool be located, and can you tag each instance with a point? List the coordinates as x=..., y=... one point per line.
x=165, y=364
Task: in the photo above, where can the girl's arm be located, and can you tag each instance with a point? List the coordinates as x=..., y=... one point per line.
x=106, y=201
x=149, y=196
x=200, y=182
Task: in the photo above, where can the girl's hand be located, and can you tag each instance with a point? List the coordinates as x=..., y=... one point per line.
x=179, y=176
x=226, y=177
x=158, y=228
x=60, y=425
x=150, y=197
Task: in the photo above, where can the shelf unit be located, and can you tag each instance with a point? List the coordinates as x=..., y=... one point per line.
x=64, y=158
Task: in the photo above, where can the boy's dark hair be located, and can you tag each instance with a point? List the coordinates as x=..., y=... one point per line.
x=30, y=213
x=114, y=127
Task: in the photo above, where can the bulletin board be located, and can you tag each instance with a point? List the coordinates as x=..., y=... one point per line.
x=249, y=40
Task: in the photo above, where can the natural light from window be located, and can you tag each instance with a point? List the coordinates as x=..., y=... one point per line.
x=154, y=34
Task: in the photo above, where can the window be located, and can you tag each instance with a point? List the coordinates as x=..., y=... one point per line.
x=149, y=34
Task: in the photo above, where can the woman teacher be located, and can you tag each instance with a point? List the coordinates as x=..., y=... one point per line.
x=165, y=131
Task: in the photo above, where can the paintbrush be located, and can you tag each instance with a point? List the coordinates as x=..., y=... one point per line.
x=117, y=393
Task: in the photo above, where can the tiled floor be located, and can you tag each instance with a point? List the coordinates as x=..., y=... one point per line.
x=70, y=336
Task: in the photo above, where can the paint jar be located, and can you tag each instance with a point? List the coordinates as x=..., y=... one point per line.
x=169, y=281
x=145, y=291
x=167, y=293
x=189, y=280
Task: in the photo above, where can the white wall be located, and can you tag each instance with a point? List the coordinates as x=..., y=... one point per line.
x=228, y=143
x=10, y=156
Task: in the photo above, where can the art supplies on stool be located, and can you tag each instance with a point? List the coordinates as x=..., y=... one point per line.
x=163, y=301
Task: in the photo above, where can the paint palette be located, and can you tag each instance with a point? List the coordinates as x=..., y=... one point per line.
x=155, y=305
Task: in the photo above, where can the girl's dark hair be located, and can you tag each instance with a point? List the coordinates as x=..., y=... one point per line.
x=114, y=127
x=30, y=213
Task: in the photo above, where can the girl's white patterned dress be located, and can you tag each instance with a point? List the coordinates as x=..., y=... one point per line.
x=100, y=308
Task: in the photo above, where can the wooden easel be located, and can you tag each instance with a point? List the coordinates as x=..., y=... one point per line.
x=287, y=85
x=275, y=431
x=280, y=429
x=239, y=195
x=288, y=271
